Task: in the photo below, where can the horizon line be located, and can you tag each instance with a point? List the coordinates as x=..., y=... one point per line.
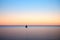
x=30, y=25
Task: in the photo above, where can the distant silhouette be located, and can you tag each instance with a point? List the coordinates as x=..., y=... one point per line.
x=26, y=26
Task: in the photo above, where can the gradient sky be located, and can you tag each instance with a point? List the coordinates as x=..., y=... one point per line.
x=32, y=12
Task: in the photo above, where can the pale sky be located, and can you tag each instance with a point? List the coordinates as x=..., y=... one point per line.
x=31, y=12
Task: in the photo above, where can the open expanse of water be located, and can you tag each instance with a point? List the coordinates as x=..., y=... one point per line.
x=30, y=33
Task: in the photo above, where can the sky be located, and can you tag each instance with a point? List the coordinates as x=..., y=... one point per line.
x=30, y=12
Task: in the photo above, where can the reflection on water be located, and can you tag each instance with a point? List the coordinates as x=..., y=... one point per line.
x=30, y=33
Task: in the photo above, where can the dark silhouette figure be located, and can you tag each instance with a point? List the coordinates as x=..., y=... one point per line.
x=26, y=26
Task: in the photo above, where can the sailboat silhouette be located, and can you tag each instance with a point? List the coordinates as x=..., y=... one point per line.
x=26, y=26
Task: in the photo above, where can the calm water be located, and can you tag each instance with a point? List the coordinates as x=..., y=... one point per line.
x=30, y=33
